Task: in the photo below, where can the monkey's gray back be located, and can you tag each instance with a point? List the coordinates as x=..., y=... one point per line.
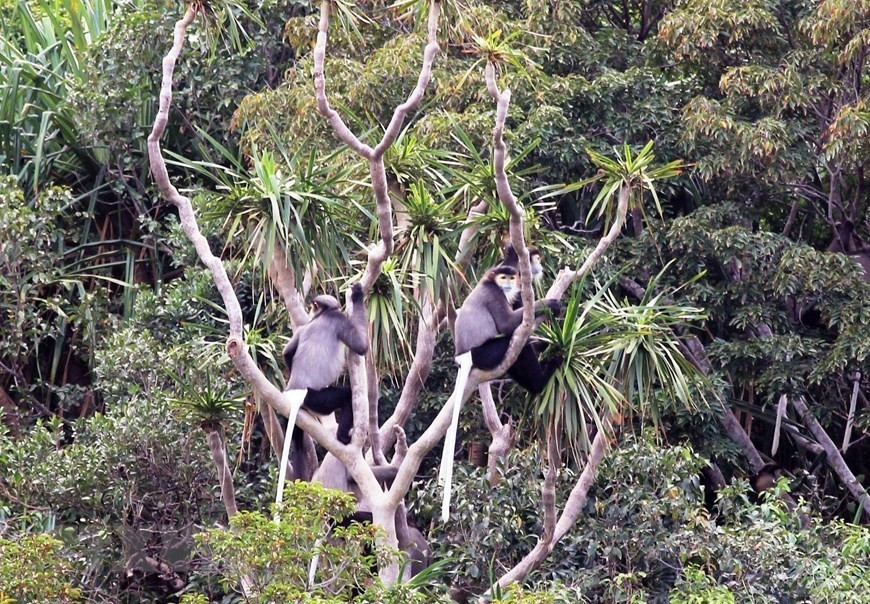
x=474, y=321
x=320, y=356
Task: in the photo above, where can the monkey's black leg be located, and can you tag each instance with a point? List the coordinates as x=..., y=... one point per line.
x=489, y=354
x=528, y=372
x=303, y=458
x=358, y=517
x=330, y=399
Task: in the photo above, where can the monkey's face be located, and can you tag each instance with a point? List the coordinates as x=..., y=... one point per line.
x=508, y=285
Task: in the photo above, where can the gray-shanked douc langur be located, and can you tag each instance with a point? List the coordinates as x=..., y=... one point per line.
x=484, y=326
x=513, y=260
x=316, y=358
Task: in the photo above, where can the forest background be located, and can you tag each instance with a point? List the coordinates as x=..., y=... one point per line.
x=726, y=327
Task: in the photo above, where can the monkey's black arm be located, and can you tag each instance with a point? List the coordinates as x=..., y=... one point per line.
x=506, y=319
x=354, y=331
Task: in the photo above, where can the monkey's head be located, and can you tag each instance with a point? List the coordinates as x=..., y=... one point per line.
x=766, y=477
x=512, y=259
x=505, y=277
x=323, y=303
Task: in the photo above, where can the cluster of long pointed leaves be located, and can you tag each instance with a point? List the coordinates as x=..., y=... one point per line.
x=388, y=310
x=41, y=52
x=409, y=160
x=298, y=200
x=634, y=171
x=429, y=243
x=204, y=399
x=615, y=355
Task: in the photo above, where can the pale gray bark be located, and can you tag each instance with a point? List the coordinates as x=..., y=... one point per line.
x=427, y=336
x=834, y=459
x=570, y=514
x=503, y=435
x=380, y=252
x=219, y=457
x=283, y=279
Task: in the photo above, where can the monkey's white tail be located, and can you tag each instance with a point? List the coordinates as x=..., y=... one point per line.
x=312, y=566
x=297, y=397
x=445, y=474
x=781, y=409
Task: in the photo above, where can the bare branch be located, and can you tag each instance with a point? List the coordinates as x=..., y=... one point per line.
x=380, y=186
x=572, y=511
x=161, y=177
x=502, y=434
x=219, y=458
x=566, y=276
x=341, y=129
x=416, y=95
x=427, y=334
x=427, y=441
x=283, y=278
x=577, y=498
x=490, y=413
x=834, y=459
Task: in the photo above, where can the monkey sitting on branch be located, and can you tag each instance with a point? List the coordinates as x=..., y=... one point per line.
x=484, y=326
x=316, y=358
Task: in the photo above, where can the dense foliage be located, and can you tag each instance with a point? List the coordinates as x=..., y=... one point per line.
x=116, y=391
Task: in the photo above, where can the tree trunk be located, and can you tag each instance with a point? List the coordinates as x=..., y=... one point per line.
x=214, y=437
x=834, y=459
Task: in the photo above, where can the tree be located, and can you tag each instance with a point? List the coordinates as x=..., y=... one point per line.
x=628, y=177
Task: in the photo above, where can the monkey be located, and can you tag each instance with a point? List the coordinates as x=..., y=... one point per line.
x=767, y=478
x=513, y=260
x=315, y=358
x=332, y=474
x=486, y=322
x=484, y=326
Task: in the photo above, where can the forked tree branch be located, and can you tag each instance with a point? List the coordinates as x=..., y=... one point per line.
x=570, y=514
x=427, y=334
x=236, y=349
x=380, y=252
x=503, y=435
x=567, y=276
